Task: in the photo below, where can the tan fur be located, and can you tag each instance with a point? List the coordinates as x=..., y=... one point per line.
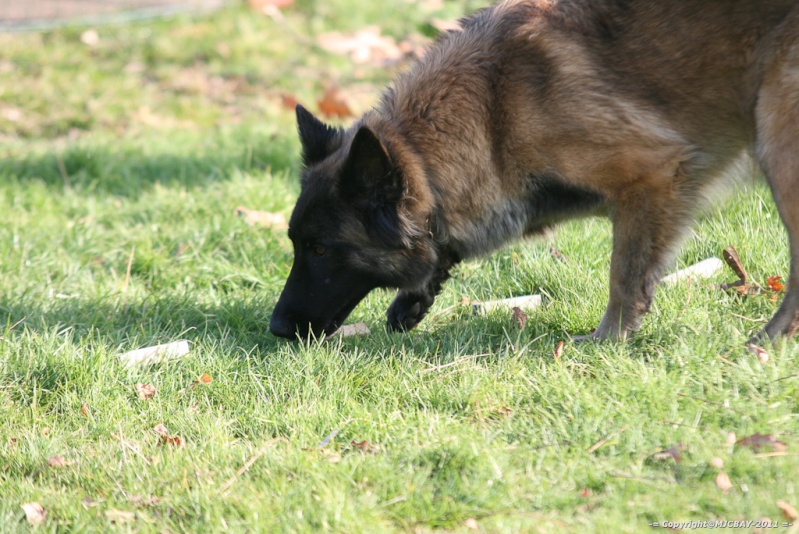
x=542, y=110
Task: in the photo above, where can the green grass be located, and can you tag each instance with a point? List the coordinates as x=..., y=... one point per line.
x=474, y=417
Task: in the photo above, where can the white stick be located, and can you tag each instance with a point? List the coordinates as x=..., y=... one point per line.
x=349, y=330
x=704, y=269
x=156, y=354
x=528, y=302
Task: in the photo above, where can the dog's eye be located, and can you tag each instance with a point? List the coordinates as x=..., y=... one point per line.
x=319, y=250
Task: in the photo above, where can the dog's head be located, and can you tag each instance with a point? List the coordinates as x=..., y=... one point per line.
x=355, y=227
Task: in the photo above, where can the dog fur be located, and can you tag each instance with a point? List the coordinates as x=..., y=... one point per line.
x=537, y=111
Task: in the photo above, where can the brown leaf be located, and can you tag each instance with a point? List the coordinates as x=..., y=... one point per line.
x=332, y=104
x=175, y=441
x=288, y=101
x=365, y=446
x=760, y=352
x=58, y=461
x=273, y=221
x=585, y=493
x=204, y=380
x=757, y=442
x=366, y=46
x=145, y=391
x=731, y=257
x=520, y=316
x=34, y=513
x=161, y=429
x=555, y=253
x=674, y=452
x=774, y=283
x=559, y=350
x=84, y=410
x=788, y=511
x=471, y=524
x=716, y=462
x=723, y=482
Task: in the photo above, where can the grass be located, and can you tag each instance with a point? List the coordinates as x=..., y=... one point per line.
x=473, y=417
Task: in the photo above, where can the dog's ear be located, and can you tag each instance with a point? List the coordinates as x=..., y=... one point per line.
x=372, y=182
x=315, y=136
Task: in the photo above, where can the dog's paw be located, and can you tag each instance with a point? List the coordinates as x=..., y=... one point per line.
x=408, y=310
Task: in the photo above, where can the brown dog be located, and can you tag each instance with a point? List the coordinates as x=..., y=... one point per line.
x=538, y=111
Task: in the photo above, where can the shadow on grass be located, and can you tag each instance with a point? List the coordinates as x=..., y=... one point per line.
x=126, y=169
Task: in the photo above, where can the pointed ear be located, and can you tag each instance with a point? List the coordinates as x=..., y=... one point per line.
x=372, y=182
x=369, y=174
x=315, y=136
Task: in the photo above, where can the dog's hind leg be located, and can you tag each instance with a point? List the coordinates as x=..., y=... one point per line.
x=777, y=115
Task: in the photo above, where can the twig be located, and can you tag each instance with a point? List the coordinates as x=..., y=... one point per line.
x=13, y=326
x=761, y=320
x=127, y=274
x=243, y=469
x=604, y=440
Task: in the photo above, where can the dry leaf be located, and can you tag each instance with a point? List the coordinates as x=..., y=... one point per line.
x=349, y=330
x=788, y=511
x=58, y=461
x=674, y=452
x=175, y=441
x=731, y=438
x=333, y=105
x=34, y=513
x=365, y=446
x=119, y=516
x=288, y=101
x=731, y=257
x=204, y=380
x=774, y=283
x=757, y=442
x=760, y=352
x=723, y=482
x=520, y=316
x=555, y=253
x=273, y=221
x=559, y=350
x=446, y=25
x=84, y=410
x=364, y=46
x=471, y=524
x=260, y=5
x=717, y=462
x=160, y=429
x=145, y=391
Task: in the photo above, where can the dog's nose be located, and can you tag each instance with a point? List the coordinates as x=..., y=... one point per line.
x=283, y=326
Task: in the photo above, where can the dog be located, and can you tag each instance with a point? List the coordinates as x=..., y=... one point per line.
x=537, y=111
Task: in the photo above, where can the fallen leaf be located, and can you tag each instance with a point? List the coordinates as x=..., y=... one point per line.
x=332, y=104
x=731, y=438
x=288, y=101
x=734, y=261
x=774, y=283
x=204, y=380
x=160, y=429
x=674, y=452
x=520, y=316
x=555, y=253
x=273, y=221
x=448, y=25
x=58, y=461
x=760, y=352
x=788, y=511
x=46, y=431
x=471, y=524
x=716, y=462
x=585, y=493
x=145, y=391
x=119, y=516
x=559, y=350
x=260, y=5
x=356, y=329
x=84, y=410
x=366, y=46
x=757, y=442
x=175, y=441
x=87, y=502
x=365, y=446
x=34, y=513
x=723, y=482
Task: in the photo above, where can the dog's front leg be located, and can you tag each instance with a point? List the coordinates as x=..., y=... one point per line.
x=647, y=227
x=410, y=306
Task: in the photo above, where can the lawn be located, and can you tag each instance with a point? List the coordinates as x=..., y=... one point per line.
x=123, y=157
